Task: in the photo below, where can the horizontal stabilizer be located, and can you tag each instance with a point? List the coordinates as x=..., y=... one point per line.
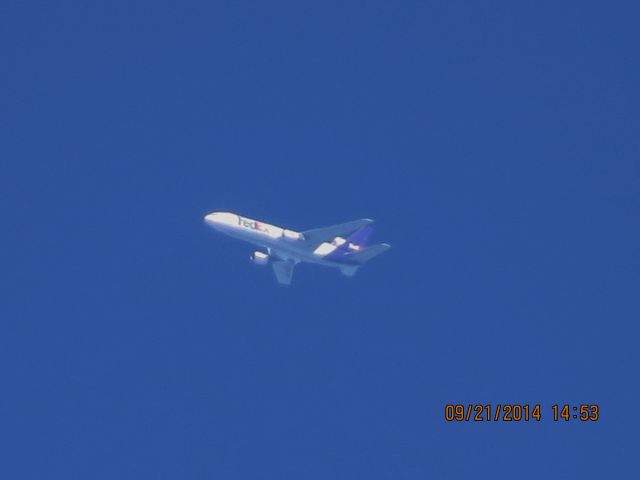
x=349, y=270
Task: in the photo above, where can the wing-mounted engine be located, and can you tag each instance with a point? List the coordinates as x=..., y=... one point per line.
x=259, y=258
x=291, y=235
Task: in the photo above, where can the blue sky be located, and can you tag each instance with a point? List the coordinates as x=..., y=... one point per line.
x=495, y=144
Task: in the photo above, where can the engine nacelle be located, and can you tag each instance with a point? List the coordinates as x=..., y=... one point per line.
x=259, y=258
x=338, y=241
x=291, y=235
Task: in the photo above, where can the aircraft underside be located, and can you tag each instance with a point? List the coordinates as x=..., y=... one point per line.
x=343, y=246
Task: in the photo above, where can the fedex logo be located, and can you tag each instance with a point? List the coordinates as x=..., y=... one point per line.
x=252, y=224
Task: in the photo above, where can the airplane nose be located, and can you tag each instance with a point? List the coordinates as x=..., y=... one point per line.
x=216, y=219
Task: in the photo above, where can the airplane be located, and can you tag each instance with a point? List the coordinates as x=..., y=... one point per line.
x=286, y=248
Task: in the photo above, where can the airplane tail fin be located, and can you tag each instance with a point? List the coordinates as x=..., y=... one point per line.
x=358, y=241
x=368, y=253
x=361, y=236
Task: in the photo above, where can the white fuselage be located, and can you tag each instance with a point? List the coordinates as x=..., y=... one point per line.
x=281, y=242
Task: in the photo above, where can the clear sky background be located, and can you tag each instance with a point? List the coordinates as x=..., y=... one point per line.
x=496, y=145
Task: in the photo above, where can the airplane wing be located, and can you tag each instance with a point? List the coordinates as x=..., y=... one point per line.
x=319, y=235
x=283, y=270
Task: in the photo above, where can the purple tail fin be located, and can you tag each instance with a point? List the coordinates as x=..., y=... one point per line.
x=361, y=236
x=354, y=250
